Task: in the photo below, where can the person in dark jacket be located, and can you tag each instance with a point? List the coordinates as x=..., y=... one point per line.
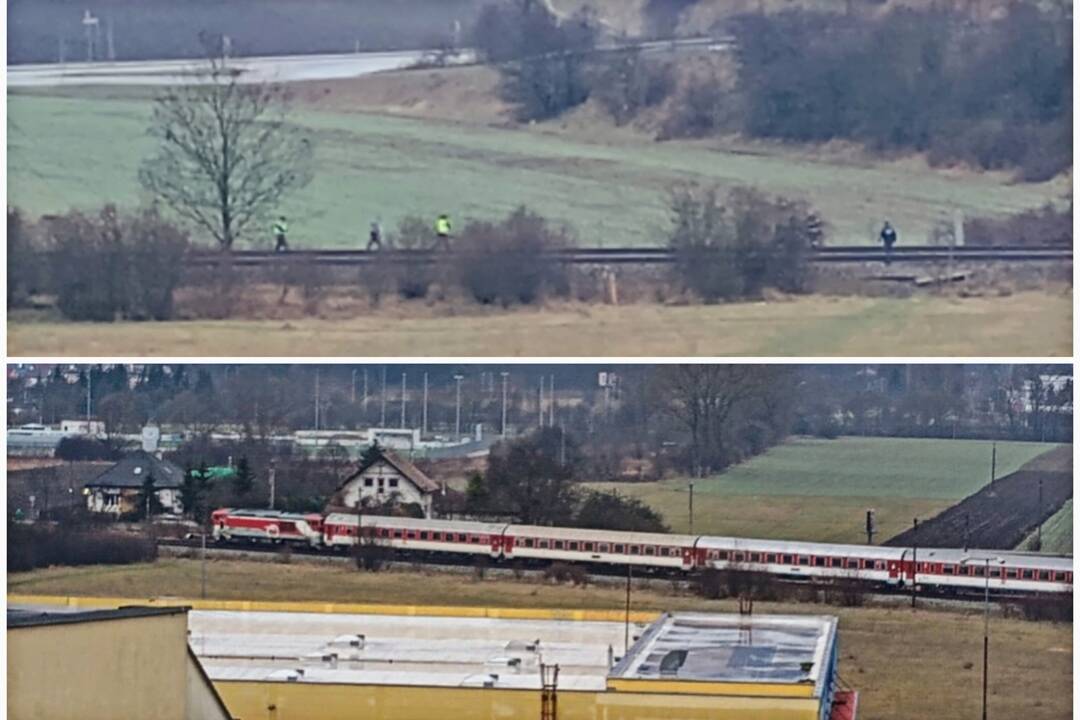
x=888, y=239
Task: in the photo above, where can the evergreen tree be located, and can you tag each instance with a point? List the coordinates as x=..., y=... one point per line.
x=243, y=479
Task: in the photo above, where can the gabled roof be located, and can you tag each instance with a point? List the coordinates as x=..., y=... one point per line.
x=412, y=473
x=132, y=470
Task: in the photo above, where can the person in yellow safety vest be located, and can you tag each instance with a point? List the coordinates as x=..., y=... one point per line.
x=279, y=229
x=442, y=232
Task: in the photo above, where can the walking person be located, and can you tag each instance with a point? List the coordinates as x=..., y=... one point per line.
x=280, y=228
x=888, y=239
x=374, y=243
x=442, y=233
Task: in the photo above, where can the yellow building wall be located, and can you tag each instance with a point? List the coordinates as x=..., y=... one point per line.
x=299, y=701
x=129, y=669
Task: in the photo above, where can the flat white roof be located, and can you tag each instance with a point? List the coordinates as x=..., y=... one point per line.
x=356, y=649
x=404, y=650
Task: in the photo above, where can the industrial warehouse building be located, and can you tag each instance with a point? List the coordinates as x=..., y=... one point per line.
x=132, y=663
x=314, y=666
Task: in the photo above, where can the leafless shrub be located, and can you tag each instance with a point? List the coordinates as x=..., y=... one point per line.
x=511, y=262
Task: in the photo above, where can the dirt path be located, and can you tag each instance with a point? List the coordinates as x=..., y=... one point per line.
x=999, y=516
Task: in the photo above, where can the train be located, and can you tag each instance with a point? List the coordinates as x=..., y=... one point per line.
x=945, y=570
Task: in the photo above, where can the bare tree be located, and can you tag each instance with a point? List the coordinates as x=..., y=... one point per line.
x=227, y=154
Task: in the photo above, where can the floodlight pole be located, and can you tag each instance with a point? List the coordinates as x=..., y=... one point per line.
x=504, y=377
x=457, y=408
x=423, y=428
x=403, y=391
x=914, y=560
x=626, y=623
x=691, y=507
x=986, y=636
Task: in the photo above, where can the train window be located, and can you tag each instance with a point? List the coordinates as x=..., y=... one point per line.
x=650, y=550
x=423, y=535
x=479, y=539
x=543, y=544
x=755, y=557
x=980, y=571
x=619, y=549
x=603, y=547
x=789, y=559
x=995, y=572
x=723, y=555
x=462, y=537
x=1059, y=576
x=635, y=550
x=879, y=564
x=558, y=545
x=573, y=545
x=397, y=534
x=673, y=552
x=852, y=564
x=1042, y=575
x=1027, y=575
x=738, y=557
x=528, y=542
x=1010, y=573
x=769, y=558
x=411, y=535
x=819, y=562
x=804, y=560
x=949, y=569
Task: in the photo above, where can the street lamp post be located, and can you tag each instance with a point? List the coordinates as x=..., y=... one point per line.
x=986, y=620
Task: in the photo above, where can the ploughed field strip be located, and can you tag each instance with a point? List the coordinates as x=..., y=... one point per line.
x=1002, y=514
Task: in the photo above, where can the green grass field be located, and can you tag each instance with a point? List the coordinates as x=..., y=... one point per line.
x=819, y=490
x=1057, y=533
x=905, y=663
x=1031, y=324
x=82, y=149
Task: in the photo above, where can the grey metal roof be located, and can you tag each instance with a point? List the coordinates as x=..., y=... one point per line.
x=132, y=470
x=33, y=618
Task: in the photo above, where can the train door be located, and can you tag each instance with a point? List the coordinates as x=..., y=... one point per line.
x=497, y=544
x=688, y=558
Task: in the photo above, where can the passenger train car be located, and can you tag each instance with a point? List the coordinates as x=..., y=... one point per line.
x=946, y=570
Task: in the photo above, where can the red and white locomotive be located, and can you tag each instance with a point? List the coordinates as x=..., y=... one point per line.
x=938, y=568
x=267, y=525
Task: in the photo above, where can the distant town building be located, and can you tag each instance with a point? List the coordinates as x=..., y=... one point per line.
x=386, y=477
x=118, y=490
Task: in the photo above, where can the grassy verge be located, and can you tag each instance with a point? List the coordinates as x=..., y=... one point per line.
x=1032, y=324
x=907, y=664
x=819, y=490
x=83, y=148
x=1057, y=533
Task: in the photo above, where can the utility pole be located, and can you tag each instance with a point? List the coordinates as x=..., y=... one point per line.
x=626, y=622
x=993, y=464
x=423, y=430
x=986, y=636
x=914, y=559
x=354, y=386
x=90, y=23
x=504, y=376
x=316, y=401
x=204, y=564
x=402, y=401
x=540, y=402
x=457, y=408
x=110, y=52
x=1038, y=531
x=691, y=507
x=273, y=484
x=382, y=400
x=365, y=394
x=89, y=394
x=551, y=400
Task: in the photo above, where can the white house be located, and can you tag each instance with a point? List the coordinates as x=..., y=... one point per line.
x=386, y=477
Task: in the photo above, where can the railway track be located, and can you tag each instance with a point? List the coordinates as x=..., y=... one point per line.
x=644, y=256
x=237, y=550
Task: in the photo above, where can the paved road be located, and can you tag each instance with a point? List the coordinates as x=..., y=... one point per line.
x=260, y=69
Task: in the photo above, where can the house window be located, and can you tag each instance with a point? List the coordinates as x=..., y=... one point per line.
x=393, y=482
x=368, y=482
